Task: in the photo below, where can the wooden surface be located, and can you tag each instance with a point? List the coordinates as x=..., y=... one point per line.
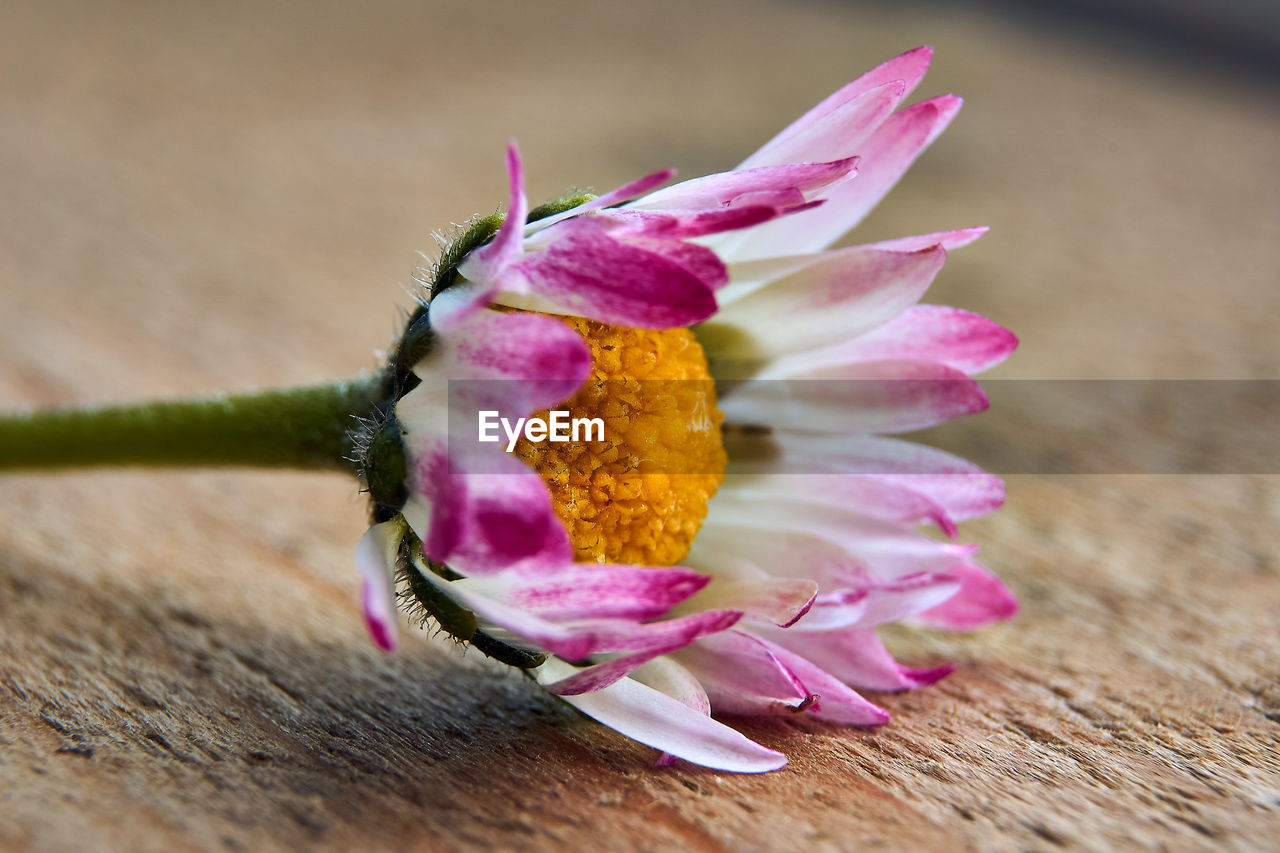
x=198, y=197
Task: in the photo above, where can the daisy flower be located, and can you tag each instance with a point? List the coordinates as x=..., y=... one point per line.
x=743, y=527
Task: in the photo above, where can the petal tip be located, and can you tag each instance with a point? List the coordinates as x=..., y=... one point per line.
x=382, y=632
x=1008, y=608
x=808, y=605
x=666, y=759
x=947, y=106
x=925, y=677
x=945, y=524
x=775, y=761
x=980, y=402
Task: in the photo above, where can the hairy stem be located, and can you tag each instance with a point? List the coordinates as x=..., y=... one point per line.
x=305, y=427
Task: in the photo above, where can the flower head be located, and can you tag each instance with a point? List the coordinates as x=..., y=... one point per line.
x=742, y=529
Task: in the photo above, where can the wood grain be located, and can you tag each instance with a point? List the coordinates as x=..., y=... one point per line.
x=200, y=197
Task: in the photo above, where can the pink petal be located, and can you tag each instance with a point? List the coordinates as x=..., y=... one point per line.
x=623, y=635
x=857, y=656
x=729, y=188
x=837, y=702
x=946, y=239
x=675, y=634
x=886, y=156
x=626, y=192
x=699, y=261
x=835, y=609
x=982, y=599
x=836, y=296
x=879, y=602
x=831, y=118
x=487, y=263
x=784, y=200
x=573, y=642
x=594, y=275
x=959, y=339
x=961, y=488
x=576, y=640
x=738, y=549
x=515, y=364
x=664, y=234
x=873, y=497
x=483, y=523
x=836, y=546
x=453, y=307
x=853, y=399
x=375, y=559
x=779, y=600
x=680, y=225
x=964, y=496
x=522, y=347
x=747, y=277
x=742, y=675
x=591, y=591
x=645, y=715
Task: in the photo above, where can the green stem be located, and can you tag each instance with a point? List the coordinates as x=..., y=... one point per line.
x=305, y=427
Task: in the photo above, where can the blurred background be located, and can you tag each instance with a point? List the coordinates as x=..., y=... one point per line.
x=204, y=196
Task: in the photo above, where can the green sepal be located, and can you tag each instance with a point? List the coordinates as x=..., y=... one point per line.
x=478, y=232
x=454, y=619
x=384, y=466
x=560, y=205
x=506, y=653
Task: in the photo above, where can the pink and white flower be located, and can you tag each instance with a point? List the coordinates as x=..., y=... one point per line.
x=807, y=547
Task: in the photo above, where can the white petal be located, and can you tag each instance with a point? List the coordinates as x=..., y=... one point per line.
x=668, y=677
x=855, y=399
x=655, y=719
x=778, y=600
x=961, y=488
x=375, y=560
x=840, y=295
x=832, y=544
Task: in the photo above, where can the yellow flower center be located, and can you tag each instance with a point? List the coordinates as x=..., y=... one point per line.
x=638, y=496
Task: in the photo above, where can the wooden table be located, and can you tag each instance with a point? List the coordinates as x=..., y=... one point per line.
x=198, y=197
